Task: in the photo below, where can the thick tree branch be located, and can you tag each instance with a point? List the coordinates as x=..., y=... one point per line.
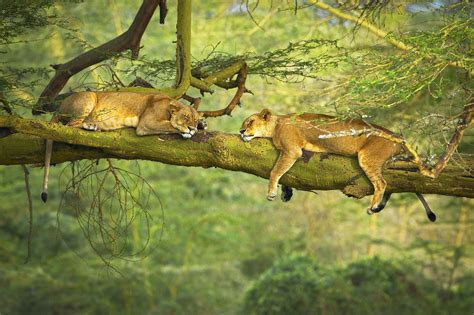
x=128, y=40
x=183, y=47
x=316, y=171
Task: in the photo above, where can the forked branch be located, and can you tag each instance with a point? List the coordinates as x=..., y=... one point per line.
x=241, y=89
x=128, y=40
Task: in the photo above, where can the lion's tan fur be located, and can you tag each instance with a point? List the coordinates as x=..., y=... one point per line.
x=321, y=133
x=148, y=113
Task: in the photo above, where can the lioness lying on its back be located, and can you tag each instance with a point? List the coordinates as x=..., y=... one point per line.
x=322, y=133
x=149, y=113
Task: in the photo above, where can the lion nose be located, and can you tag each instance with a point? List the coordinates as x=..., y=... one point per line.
x=242, y=131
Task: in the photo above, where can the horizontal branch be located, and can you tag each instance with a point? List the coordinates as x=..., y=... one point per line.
x=226, y=151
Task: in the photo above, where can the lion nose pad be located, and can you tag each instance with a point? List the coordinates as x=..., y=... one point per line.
x=242, y=131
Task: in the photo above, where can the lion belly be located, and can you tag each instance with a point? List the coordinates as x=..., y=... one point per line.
x=115, y=122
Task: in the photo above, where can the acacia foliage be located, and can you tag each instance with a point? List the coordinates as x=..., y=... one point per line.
x=220, y=232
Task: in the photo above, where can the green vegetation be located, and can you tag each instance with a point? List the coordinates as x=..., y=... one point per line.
x=170, y=239
x=298, y=285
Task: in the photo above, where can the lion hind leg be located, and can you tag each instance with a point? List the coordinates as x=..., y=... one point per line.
x=371, y=160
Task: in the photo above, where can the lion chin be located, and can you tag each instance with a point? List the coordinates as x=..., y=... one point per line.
x=186, y=135
x=247, y=138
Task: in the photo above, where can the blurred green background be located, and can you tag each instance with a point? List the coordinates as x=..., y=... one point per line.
x=215, y=245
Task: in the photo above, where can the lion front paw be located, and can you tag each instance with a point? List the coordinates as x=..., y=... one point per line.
x=271, y=196
x=202, y=124
x=90, y=126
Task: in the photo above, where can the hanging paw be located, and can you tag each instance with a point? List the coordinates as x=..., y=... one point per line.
x=286, y=193
x=271, y=196
x=378, y=207
x=375, y=209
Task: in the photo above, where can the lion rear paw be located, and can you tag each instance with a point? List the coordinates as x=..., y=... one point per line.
x=202, y=124
x=375, y=209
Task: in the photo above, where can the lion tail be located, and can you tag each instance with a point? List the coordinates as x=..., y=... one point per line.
x=429, y=213
x=47, y=163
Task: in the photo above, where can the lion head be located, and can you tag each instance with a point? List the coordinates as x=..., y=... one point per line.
x=257, y=125
x=185, y=119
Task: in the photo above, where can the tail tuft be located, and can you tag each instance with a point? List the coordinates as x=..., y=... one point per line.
x=429, y=213
x=44, y=196
x=431, y=216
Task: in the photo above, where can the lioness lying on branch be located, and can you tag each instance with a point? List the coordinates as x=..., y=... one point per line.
x=291, y=134
x=150, y=114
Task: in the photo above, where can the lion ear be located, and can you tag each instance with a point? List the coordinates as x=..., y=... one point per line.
x=265, y=114
x=173, y=109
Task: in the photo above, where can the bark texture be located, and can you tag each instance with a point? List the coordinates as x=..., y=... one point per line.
x=226, y=151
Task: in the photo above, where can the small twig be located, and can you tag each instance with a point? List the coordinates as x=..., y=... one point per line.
x=465, y=119
x=30, y=210
x=5, y=105
x=250, y=13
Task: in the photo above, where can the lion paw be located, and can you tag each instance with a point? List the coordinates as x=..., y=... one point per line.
x=271, y=197
x=286, y=193
x=90, y=126
x=202, y=124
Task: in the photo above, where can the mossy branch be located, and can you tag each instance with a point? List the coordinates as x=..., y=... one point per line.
x=226, y=151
